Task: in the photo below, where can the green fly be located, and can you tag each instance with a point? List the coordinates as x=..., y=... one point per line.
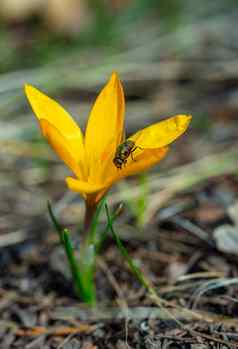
x=124, y=150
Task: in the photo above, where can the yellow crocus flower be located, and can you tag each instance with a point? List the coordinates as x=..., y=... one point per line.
x=90, y=157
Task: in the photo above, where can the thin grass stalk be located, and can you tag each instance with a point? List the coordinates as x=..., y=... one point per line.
x=83, y=288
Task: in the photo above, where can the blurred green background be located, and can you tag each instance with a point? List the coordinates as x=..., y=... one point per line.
x=36, y=33
x=172, y=56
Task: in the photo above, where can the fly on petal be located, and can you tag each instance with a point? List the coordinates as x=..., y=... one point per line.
x=103, y=156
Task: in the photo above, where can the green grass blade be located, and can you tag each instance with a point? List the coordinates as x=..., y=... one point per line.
x=96, y=237
x=56, y=224
x=82, y=279
x=73, y=263
x=83, y=288
x=92, y=234
x=104, y=233
x=136, y=271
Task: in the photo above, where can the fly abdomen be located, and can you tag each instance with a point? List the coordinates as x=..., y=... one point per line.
x=124, y=150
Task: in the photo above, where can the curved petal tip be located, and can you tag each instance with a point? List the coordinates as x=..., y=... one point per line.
x=82, y=186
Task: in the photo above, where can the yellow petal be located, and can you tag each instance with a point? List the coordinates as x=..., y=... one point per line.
x=105, y=128
x=48, y=109
x=90, y=192
x=83, y=187
x=60, y=146
x=142, y=160
x=162, y=133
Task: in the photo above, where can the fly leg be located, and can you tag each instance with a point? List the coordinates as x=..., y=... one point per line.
x=134, y=149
